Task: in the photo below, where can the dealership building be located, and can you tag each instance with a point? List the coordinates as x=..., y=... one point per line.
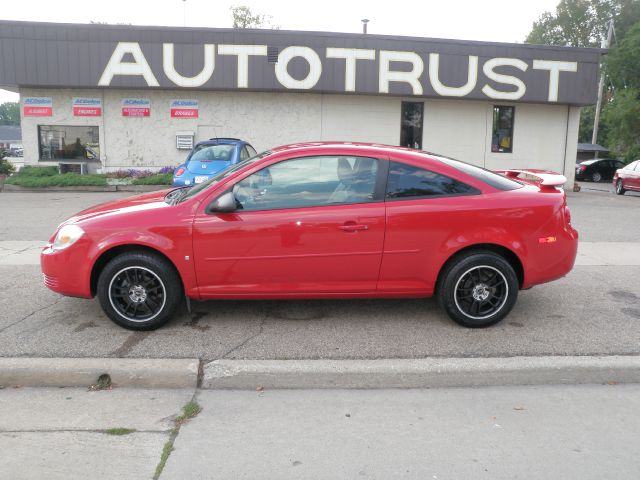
x=113, y=97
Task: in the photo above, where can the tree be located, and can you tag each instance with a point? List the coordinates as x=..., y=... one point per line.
x=622, y=116
x=10, y=113
x=623, y=62
x=584, y=23
x=243, y=17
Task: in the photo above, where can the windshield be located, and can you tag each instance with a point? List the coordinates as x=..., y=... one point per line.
x=223, y=174
x=208, y=153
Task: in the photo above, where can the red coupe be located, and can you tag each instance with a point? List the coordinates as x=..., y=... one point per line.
x=322, y=220
x=627, y=178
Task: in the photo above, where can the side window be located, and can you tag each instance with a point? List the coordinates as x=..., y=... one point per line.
x=407, y=181
x=244, y=154
x=309, y=182
x=252, y=152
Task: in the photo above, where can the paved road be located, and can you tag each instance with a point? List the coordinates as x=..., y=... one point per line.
x=594, y=310
x=576, y=432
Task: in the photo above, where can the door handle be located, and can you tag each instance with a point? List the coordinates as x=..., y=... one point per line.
x=353, y=227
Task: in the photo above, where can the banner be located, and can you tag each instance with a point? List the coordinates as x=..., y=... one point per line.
x=184, y=108
x=37, y=107
x=87, y=107
x=136, y=107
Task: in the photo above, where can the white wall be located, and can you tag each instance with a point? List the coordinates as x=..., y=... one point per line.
x=543, y=134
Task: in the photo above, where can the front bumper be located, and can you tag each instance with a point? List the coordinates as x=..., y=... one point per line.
x=67, y=271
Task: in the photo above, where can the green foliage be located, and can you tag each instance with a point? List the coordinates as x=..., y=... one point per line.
x=6, y=167
x=10, y=113
x=34, y=171
x=243, y=17
x=623, y=62
x=584, y=23
x=65, y=180
x=159, y=179
x=622, y=116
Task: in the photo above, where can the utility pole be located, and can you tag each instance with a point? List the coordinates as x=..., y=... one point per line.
x=596, y=120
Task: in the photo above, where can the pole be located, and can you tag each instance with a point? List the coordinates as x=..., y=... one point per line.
x=364, y=25
x=184, y=13
x=596, y=120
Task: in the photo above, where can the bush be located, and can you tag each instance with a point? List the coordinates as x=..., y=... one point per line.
x=6, y=167
x=130, y=173
x=32, y=171
x=158, y=179
x=65, y=180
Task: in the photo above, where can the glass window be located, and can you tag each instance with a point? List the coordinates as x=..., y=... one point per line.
x=502, y=136
x=308, y=182
x=407, y=181
x=251, y=150
x=244, y=154
x=411, y=125
x=487, y=176
x=209, y=153
x=64, y=142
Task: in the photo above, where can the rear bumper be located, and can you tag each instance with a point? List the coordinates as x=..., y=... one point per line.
x=67, y=271
x=550, y=261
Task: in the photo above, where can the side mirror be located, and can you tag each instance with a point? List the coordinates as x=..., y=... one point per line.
x=225, y=203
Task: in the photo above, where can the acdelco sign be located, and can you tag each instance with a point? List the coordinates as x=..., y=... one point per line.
x=107, y=56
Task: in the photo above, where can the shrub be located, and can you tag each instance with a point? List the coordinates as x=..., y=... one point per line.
x=130, y=173
x=35, y=171
x=158, y=179
x=65, y=180
x=167, y=170
x=6, y=167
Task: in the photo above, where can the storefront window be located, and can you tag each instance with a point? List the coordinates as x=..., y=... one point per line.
x=502, y=137
x=411, y=125
x=59, y=142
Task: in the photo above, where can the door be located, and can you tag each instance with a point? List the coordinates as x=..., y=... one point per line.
x=305, y=226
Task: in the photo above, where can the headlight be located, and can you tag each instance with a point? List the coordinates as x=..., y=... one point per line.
x=67, y=236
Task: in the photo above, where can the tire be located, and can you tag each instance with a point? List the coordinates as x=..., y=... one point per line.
x=139, y=290
x=620, y=188
x=596, y=177
x=469, y=285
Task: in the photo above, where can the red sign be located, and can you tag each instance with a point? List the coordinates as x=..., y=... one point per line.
x=136, y=107
x=87, y=107
x=184, y=109
x=37, y=107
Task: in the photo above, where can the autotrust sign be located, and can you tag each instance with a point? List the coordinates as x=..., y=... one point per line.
x=393, y=67
x=267, y=60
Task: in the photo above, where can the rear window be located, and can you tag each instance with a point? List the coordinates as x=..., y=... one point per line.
x=208, y=153
x=487, y=176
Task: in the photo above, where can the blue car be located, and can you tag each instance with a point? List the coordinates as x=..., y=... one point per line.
x=210, y=157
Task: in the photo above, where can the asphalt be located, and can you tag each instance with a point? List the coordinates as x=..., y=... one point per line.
x=595, y=310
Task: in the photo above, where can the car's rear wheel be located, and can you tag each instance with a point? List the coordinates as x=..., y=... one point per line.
x=478, y=289
x=596, y=176
x=139, y=290
x=620, y=187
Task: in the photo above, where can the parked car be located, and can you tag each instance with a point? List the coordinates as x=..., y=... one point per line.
x=209, y=157
x=321, y=220
x=627, y=178
x=597, y=169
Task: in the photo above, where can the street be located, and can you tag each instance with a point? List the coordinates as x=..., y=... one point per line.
x=595, y=310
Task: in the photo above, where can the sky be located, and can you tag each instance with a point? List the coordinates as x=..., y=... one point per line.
x=486, y=20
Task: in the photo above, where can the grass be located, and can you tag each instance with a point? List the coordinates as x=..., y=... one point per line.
x=66, y=180
x=158, y=179
x=189, y=411
x=119, y=431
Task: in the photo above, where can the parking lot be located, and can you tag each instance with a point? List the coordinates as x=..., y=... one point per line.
x=595, y=310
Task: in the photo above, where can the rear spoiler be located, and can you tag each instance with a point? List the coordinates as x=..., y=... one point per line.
x=545, y=179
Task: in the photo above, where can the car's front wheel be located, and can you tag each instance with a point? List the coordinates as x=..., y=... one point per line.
x=139, y=290
x=478, y=289
x=619, y=187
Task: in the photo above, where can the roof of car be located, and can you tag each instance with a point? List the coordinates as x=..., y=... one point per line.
x=224, y=141
x=328, y=144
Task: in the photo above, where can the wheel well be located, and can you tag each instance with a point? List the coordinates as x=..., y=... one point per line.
x=114, y=252
x=504, y=252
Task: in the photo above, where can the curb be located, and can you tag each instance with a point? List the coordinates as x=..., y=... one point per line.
x=82, y=372
x=419, y=373
x=89, y=188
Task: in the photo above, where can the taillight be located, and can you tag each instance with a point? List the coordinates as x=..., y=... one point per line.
x=179, y=172
x=567, y=214
x=582, y=168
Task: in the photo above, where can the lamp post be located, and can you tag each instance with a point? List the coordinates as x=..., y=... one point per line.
x=364, y=25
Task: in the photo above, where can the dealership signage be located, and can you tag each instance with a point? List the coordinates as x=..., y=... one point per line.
x=37, y=107
x=87, y=107
x=277, y=61
x=136, y=107
x=184, y=108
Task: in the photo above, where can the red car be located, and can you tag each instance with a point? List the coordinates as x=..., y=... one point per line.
x=322, y=220
x=627, y=178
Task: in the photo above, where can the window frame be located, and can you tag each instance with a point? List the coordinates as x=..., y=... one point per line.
x=511, y=130
x=379, y=189
x=473, y=192
x=64, y=160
